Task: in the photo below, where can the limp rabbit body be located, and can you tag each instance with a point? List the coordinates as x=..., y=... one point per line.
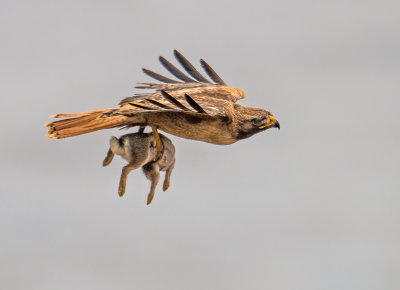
x=139, y=149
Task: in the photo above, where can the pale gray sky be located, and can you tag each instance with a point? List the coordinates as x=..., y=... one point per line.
x=312, y=206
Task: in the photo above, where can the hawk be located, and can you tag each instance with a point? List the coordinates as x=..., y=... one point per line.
x=190, y=106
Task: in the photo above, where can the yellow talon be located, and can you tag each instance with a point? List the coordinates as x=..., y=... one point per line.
x=159, y=145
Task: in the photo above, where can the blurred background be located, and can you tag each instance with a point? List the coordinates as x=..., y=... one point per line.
x=312, y=206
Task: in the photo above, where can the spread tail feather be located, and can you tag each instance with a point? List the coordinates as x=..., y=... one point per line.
x=82, y=123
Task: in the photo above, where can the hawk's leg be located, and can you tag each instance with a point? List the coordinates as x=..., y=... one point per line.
x=159, y=145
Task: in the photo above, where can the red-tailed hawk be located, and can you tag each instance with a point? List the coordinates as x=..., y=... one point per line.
x=191, y=107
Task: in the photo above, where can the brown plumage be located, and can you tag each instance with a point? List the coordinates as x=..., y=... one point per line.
x=193, y=109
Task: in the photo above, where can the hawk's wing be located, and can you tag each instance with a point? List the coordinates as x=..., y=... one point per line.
x=193, y=84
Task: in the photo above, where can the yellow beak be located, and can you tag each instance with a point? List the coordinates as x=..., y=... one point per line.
x=272, y=122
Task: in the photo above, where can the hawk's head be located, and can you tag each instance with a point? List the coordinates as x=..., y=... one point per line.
x=253, y=120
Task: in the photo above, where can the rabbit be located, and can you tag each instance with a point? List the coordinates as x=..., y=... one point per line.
x=139, y=149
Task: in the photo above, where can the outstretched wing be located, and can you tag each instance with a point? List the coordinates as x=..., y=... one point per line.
x=193, y=83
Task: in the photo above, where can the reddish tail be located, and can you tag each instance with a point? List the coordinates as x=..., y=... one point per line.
x=83, y=123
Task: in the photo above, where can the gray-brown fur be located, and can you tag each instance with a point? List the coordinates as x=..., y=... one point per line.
x=139, y=149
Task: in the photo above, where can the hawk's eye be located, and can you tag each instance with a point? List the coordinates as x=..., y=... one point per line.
x=258, y=121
